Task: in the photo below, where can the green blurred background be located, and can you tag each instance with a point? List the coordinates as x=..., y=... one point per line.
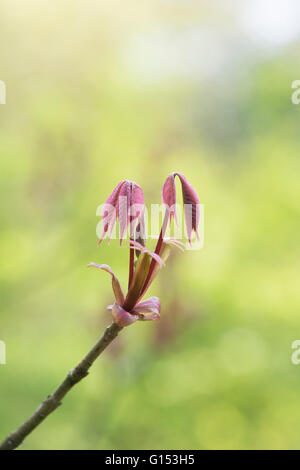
x=101, y=91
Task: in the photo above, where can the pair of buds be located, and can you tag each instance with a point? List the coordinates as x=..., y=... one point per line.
x=126, y=204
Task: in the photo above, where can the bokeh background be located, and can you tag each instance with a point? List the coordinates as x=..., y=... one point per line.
x=101, y=91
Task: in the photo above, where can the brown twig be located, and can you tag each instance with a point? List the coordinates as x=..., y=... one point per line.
x=53, y=401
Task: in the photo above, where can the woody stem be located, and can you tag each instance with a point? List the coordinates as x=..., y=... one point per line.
x=54, y=400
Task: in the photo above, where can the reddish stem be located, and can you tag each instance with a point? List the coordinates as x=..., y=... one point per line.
x=131, y=249
x=131, y=255
x=131, y=264
x=157, y=251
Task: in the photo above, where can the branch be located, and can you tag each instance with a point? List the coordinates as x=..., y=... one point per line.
x=53, y=401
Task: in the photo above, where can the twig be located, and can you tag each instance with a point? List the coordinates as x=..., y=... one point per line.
x=53, y=401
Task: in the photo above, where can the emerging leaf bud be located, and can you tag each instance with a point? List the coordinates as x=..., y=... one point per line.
x=190, y=200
